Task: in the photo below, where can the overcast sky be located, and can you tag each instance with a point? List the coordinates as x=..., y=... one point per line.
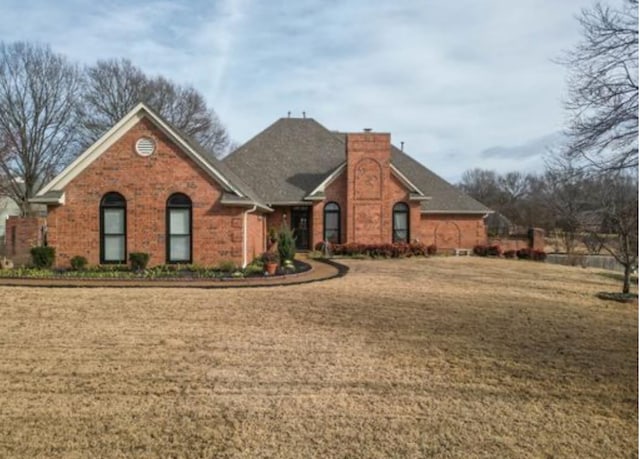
x=449, y=78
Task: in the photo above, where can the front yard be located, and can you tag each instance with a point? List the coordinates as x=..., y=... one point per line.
x=450, y=357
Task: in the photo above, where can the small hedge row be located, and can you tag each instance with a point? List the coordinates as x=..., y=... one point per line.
x=531, y=254
x=397, y=250
x=487, y=250
x=521, y=254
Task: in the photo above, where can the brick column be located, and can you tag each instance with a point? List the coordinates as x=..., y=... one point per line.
x=368, y=177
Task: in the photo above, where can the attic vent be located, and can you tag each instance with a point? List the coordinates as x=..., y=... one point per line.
x=145, y=146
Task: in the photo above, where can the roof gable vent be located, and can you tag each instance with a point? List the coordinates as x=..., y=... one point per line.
x=145, y=146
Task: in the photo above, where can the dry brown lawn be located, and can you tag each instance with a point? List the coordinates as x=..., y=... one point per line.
x=445, y=357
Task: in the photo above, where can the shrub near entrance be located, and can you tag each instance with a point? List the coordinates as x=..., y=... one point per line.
x=42, y=257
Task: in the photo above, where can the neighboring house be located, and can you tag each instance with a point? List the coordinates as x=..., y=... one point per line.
x=8, y=207
x=146, y=187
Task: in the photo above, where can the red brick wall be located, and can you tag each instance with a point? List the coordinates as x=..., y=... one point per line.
x=390, y=192
x=146, y=183
x=398, y=193
x=451, y=231
x=520, y=241
x=22, y=233
x=256, y=236
x=368, y=175
x=336, y=192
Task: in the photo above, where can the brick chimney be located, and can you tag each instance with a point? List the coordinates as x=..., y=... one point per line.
x=368, y=175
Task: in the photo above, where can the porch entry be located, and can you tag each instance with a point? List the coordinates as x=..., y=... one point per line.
x=300, y=224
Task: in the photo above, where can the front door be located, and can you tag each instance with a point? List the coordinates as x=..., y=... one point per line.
x=300, y=226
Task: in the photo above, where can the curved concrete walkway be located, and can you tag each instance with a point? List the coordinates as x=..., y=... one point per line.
x=320, y=270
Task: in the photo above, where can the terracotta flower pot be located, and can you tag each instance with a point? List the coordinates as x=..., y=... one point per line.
x=271, y=268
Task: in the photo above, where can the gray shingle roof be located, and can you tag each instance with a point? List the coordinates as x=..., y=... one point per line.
x=444, y=196
x=288, y=160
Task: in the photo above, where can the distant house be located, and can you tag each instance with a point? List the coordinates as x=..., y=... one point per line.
x=144, y=186
x=8, y=207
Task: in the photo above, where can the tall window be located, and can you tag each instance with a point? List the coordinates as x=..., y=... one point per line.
x=401, y=222
x=179, y=229
x=113, y=229
x=332, y=223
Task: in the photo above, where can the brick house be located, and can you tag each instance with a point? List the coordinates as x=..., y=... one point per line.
x=353, y=187
x=144, y=186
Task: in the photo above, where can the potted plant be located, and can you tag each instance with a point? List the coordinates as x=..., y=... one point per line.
x=270, y=261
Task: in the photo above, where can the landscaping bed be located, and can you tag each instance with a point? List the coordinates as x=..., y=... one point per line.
x=163, y=272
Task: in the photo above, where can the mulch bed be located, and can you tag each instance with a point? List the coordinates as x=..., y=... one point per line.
x=312, y=271
x=619, y=297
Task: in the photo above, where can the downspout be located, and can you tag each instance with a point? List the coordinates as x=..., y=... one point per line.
x=244, y=234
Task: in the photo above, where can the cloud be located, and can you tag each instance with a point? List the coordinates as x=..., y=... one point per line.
x=451, y=79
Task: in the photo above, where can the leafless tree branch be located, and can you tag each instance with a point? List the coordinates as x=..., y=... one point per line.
x=114, y=87
x=38, y=102
x=603, y=89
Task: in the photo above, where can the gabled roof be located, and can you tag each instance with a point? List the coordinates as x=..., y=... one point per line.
x=232, y=185
x=445, y=198
x=288, y=160
x=295, y=158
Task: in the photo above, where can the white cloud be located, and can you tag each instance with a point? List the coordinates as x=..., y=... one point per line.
x=451, y=79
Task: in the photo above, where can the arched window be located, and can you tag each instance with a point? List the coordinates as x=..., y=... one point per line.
x=332, y=222
x=113, y=229
x=401, y=222
x=179, y=228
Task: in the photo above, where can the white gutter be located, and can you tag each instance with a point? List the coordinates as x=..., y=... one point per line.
x=244, y=234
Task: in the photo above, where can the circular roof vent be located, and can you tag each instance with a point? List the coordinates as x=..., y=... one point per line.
x=145, y=146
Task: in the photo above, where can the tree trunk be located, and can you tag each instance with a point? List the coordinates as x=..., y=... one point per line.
x=25, y=207
x=627, y=278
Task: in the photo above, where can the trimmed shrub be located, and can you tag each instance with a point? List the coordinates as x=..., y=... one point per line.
x=487, y=251
x=530, y=254
x=432, y=249
x=539, y=255
x=255, y=267
x=78, y=263
x=139, y=260
x=397, y=250
x=480, y=250
x=418, y=248
x=286, y=243
x=509, y=254
x=227, y=266
x=43, y=257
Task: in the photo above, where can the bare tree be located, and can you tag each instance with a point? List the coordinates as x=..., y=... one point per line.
x=38, y=100
x=113, y=87
x=519, y=197
x=603, y=89
x=483, y=185
x=618, y=207
x=566, y=199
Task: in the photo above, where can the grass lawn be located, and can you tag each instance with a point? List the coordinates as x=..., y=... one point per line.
x=446, y=357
